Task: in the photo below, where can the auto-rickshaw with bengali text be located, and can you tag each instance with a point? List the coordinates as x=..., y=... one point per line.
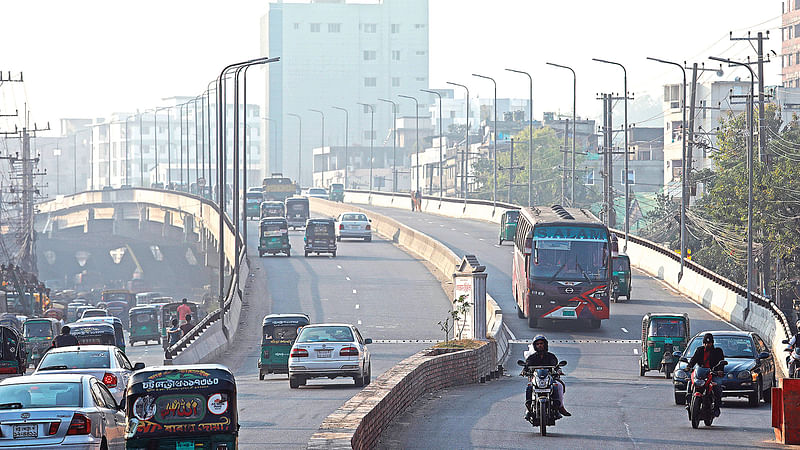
x=12, y=352
x=145, y=324
x=297, y=211
x=620, y=277
x=278, y=332
x=182, y=407
x=273, y=237
x=272, y=209
x=663, y=334
x=39, y=333
x=508, y=225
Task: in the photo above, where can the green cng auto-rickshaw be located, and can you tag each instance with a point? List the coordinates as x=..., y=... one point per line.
x=273, y=236
x=252, y=205
x=508, y=225
x=145, y=324
x=663, y=334
x=336, y=192
x=272, y=209
x=297, y=211
x=621, y=277
x=12, y=351
x=182, y=407
x=39, y=334
x=277, y=336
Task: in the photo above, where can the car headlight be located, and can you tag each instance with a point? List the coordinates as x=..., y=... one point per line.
x=744, y=375
x=680, y=374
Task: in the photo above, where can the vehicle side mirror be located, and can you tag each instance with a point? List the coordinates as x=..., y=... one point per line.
x=521, y=363
x=367, y=341
x=684, y=359
x=370, y=220
x=676, y=354
x=723, y=363
x=138, y=366
x=785, y=341
x=562, y=363
x=763, y=355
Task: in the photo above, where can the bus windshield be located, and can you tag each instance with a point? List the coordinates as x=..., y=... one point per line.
x=567, y=254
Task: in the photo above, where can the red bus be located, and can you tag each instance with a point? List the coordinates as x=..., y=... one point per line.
x=562, y=261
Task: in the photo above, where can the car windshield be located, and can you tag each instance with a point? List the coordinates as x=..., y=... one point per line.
x=325, y=334
x=40, y=395
x=354, y=218
x=666, y=328
x=84, y=359
x=732, y=346
x=38, y=329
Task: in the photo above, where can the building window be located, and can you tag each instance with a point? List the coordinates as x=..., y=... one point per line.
x=589, y=180
x=676, y=169
x=395, y=55
x=370, y=55
x=420, y=52
x=370, y=82
x=395, y=81
x=369, y=134
x=370, y=27
x=334, y=28
x=631, y=177
x=296, y=25
x=419, y=26
x=314, y=27
x=452, y=114
x=420, y=78
x=395, y=28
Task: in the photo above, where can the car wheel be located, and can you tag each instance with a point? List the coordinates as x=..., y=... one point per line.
x=680, y=398
x=306, y=254
x=288, y=253
x=368, y=238
x=595, y=323
x=334, y=254
x=338, y=239
x=294, y=383
x=260, y=375
x=532, y=321
x=368, y=376
x=755, y=398
x=520, y=314
x=767, y=395
x=359, y=381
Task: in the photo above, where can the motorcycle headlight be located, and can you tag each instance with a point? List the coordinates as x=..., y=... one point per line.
x=744, y=375
x=542, y=383
x=699, y=382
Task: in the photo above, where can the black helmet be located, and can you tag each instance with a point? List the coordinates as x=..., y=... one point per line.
x=540, y=337
x=708, y=337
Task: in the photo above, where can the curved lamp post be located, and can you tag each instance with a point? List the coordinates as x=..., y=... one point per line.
x=574, y=129
x=371, y=139
x=321, y=148
x=346, y=132
x=394, y=141
x=465, y=156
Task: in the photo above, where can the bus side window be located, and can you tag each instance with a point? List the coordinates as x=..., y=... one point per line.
x=535, y=253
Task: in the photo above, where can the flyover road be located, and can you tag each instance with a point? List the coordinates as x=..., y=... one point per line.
x=611, y=405
x=383, y=291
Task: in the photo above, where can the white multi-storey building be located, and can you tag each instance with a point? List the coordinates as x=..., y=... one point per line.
x=339, y=53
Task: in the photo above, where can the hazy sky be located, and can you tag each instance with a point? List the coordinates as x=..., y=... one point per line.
x=89, y=58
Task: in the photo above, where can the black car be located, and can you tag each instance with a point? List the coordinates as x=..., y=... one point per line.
x=320, y=237
x=750, y=371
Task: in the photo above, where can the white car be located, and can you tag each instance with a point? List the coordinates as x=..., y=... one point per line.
x=317, y=192
x=104, y=362
x=353, y=225
x=59, y=411
x=329, y=350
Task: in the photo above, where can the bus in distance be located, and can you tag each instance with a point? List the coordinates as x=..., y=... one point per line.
x=561, y=267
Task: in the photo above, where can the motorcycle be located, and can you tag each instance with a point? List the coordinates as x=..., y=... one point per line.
x=793, y=360
x=542, y=410
x=701, y=393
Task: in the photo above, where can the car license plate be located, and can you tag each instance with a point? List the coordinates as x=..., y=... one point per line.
x=25, y=431
x=321, y=242
x=542, y=391
x=352, y=227
x=323, y=353
x=568, y=313
x=184, y=445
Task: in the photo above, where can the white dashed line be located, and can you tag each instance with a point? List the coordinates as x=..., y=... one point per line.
x=338, y=266
x=624, y=330
x=347, y=278
x=355, y=292
x=480, y=239
x=466, y=234
x=358, y=306
x=636, y=351
x=496, y=245
x=359, y=322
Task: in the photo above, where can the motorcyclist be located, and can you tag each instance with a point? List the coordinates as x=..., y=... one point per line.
x=708, y=357
x=542, y=357
x=793, y=342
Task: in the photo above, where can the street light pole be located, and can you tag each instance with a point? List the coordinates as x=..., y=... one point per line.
x=465, y=156
x=57, y=154
x=141, y=153
x=627, y=200
x=683, y=170
x=155, y=138
x=574, y=128
x=371, y=139
x=274, y=136
x=394, y=142
x=530, y=137
x=299, y=146
x=441, y=138
x=321, y=148
x=494, y=107
x=749, y=173
x=346, y=132
x=416, y=114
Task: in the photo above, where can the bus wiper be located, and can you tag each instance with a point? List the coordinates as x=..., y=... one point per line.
x=583, y=272
x=557, y=272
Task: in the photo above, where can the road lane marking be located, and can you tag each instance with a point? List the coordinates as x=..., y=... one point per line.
x=358, y=306
x=338, y=266
x=348, y=278
x=636, y=351
x=452, y=229
x=359, y=322
x=406, y=341
x=355, y=292
x=624, y=330
x=480, y=239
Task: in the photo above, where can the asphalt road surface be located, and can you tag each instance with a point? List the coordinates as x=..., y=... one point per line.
x=611, y=405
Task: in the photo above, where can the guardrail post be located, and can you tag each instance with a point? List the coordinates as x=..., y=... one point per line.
x=469, y=280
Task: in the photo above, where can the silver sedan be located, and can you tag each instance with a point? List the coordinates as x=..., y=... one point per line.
x=353, y=225
x=59, y=411
x=105, y=362
x=329, y=351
